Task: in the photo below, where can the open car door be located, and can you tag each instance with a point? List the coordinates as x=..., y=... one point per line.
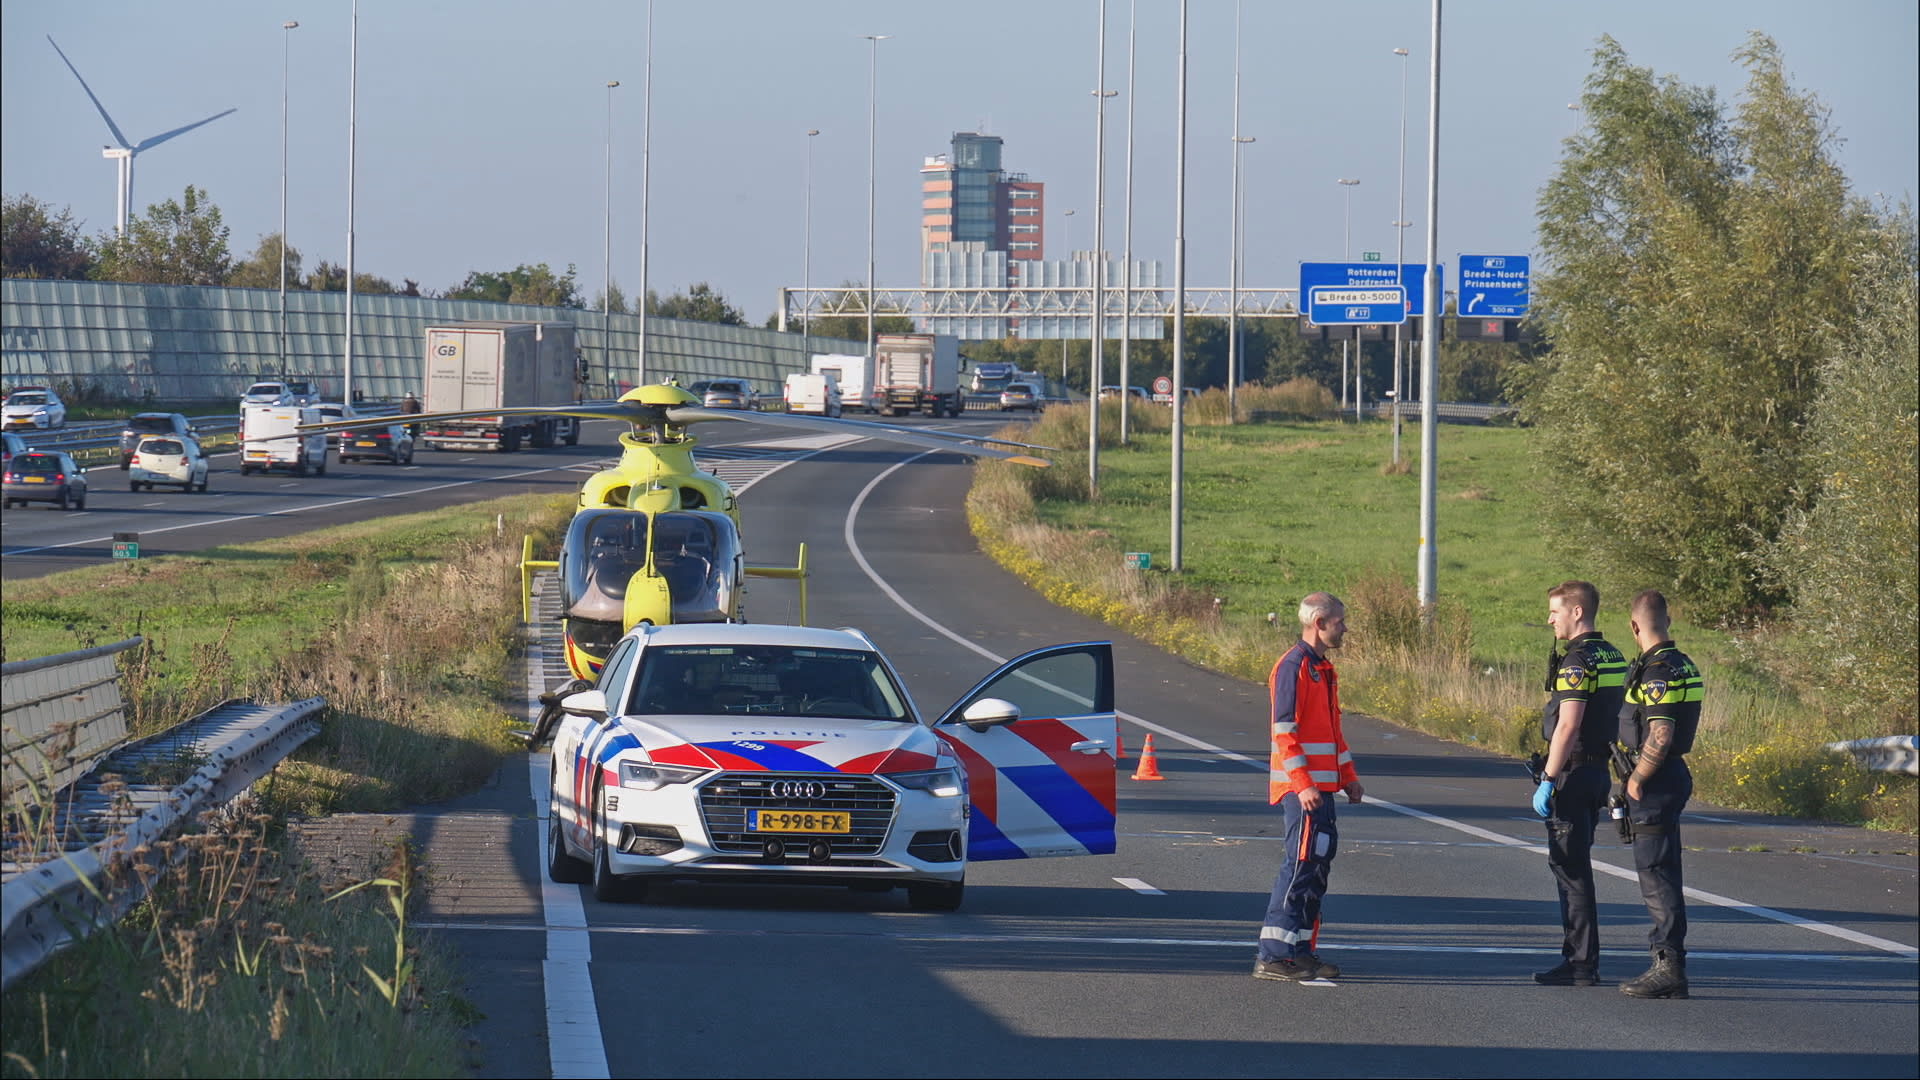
x=1042, y=784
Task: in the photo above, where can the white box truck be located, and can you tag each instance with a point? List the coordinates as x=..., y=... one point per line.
x=853, y=373
x=491, y=365
x=268, y=440
x=918, y=372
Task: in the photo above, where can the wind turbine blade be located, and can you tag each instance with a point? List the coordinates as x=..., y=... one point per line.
x=150, y=143
x=111, y=126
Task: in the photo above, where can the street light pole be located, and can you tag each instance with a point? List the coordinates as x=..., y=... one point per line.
x=1430, y=340
x=1400, y=256
x=1176, y=506
x=353, y=97
x=806, y=256
x=1126, y=321
x=646, y=207
x=1096, y=367
x=606, y=294
x=1233, y=230
x=873, y=75
x=1346, y=252
x=286, y=35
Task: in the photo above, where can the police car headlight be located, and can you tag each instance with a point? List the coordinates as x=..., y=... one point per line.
x=646, y=776
x=941, y=783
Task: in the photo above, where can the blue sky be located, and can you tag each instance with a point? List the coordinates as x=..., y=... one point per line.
x=482, y=125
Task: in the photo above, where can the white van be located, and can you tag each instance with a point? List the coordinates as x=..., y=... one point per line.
x=268, y=440
x=811, y=392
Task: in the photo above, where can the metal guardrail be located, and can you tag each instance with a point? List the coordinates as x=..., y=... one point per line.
x=92, y=832
x=1889, y=753
x=59, y=714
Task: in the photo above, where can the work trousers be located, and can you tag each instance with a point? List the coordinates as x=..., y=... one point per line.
x=1575, y=813
x=1656, y=854
x=1293, y=912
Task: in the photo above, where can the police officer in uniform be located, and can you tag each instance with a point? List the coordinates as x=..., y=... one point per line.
x=1586, y=689
x=1657, y=726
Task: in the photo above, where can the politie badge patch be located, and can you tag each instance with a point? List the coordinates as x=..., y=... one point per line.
x=1653, y=691
x=1572, y=678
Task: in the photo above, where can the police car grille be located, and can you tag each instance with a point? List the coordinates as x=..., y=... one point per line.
x=727, y=800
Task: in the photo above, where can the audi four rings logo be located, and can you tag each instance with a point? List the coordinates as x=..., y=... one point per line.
x=798, y=789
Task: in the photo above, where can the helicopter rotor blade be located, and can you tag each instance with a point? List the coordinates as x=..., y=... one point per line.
x=938, y=440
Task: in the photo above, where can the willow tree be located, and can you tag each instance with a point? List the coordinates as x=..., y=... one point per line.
x=1699, y=266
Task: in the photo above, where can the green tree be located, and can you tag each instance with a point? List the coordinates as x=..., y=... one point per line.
x=36, y=242
x=261, y=270
x=180, y=242
x=853, y=327
x=612, y=300
x=1848, y=561
x=700, y=303
x=528, y=283
x=1698, y=265
x=328, y=277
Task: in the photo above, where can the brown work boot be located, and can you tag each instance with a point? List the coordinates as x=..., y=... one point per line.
x=1667, y=978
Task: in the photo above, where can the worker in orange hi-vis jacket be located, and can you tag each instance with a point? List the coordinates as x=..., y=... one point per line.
x=1310, y=762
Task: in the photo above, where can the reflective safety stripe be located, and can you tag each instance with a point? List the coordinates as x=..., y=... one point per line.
x=1327, y=776
x=1291, y=937
x=1293, y=763
x=1317, y=748
x=1345, y=758
x=1285, y=728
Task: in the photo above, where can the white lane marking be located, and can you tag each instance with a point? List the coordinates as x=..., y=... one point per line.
x=1139, y=886
x=1147, y=942
x=225, y=521
x=574, y=1045
x=1319, y=982
x=1841, y=932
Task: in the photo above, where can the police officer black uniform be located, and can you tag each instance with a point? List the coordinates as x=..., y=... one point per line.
x=1585, y=688
x=1657, y=726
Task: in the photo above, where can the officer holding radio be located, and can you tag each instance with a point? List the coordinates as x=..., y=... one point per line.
x=1657, y=726
x=1585, y=687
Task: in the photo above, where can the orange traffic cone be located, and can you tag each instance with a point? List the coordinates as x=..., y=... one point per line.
x=1149, y=764
x=1119, y=745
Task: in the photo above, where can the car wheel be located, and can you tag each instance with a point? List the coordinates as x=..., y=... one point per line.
x=133, y=486
x=608, y=888
x=203, y=484
x=562, y=867
x=65, y=502
x=943, y=896
x=80, y=503
x=321, y=469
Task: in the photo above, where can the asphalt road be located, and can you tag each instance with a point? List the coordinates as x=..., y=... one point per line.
x=1135, y=964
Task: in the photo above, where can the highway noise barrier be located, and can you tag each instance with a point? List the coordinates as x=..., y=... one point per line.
x=1149, y=763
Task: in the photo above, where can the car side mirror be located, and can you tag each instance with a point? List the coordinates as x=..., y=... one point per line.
x=591, y=704
x=989, y=712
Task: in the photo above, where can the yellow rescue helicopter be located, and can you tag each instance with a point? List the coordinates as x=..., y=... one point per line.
x=655, y=538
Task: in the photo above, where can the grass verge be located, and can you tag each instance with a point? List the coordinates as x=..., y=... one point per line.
x=1278, y=509
x=237, y=965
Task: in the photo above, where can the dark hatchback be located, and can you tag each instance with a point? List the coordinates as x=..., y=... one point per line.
x=44, y=476
x=391, y=443
x=152, y=423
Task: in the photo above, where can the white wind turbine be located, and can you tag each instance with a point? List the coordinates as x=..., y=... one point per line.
x=124, y=154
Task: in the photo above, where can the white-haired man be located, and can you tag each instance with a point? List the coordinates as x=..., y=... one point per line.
x=1309, y=762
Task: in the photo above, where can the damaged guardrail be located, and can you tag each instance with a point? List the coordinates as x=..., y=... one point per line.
x=62, y=878
x=1889, y=753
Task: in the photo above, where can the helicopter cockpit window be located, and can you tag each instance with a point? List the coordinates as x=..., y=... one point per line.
x=604, y=550
x=698, y=553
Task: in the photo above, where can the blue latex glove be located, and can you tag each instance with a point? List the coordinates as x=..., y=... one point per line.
x=1542, y=795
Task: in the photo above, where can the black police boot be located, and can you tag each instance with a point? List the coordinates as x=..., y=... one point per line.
x=1567, y=974
x=1667, y=978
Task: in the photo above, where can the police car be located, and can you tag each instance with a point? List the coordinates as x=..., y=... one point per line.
x=748, y=752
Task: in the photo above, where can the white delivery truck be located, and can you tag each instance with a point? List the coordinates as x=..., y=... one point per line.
x=490, y=365
x=853, y=373
x=817, y=394
x=914, y=372
x=269, y=440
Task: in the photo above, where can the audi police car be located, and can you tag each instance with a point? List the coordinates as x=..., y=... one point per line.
x=748, y=752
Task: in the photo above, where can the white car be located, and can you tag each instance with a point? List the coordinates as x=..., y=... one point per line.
x=750, y=752
x=33, y=407
x=166, y=459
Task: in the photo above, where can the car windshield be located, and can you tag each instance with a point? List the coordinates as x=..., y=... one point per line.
x=265, y=388
x=35, y=463
x=725, y=388
x=162, y=446
x=784, y=680
x=25, y=397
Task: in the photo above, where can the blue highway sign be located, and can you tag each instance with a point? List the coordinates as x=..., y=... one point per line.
x=1494, y=286
x=1363, y=293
